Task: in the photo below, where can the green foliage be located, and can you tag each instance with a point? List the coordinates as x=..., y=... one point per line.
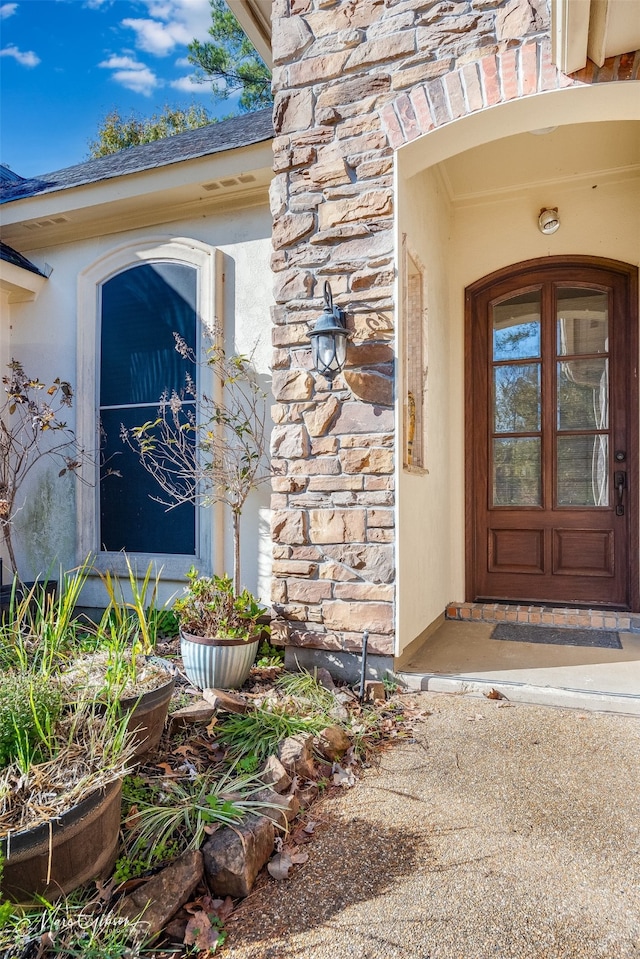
x=269, y=656
x=29, y=708
x=182, y=811
x=116, y=132
x=72, y=928
x=211, y=607
x=230, y=62
x=309, y=695
x=39, y=630
x=260, y=732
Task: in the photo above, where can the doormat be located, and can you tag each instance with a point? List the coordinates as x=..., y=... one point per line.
x=556, y=636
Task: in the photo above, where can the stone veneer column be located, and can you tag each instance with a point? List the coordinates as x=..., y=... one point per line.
x=353, y=80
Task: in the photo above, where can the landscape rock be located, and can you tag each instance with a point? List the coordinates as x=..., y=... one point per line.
x=275, y=775
x=284, y=808
x=296, y=755
x=234, y=855
x=161, y=897
x=374, y=691
x=333, y=743
x=307, y=794
x=324, y=677
x=199, y=711
x=228, y=702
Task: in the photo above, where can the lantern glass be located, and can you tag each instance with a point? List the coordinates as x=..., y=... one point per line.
x=329, y=352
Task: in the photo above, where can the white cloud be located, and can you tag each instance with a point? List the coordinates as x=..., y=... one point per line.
x=142, y=81
x=171, y=23
x=122, y=63
x=187, y=85
x=132, y=74
x=25, y=57
x=7, y=10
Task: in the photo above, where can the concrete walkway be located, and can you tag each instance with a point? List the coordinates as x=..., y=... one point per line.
x=461, y=657
x=508, y=831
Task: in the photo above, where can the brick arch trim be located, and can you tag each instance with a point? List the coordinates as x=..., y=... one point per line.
x=494, y=79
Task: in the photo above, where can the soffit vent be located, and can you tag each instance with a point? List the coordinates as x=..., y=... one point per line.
x=229, y=182
x=51, y=221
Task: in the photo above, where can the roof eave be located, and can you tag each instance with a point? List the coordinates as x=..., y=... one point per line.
x=20, y=285
x=254, y=16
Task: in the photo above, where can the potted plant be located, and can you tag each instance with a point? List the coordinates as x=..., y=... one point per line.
x=220, y=629
x=61, y=767
x=117, y=659
x=209, y=448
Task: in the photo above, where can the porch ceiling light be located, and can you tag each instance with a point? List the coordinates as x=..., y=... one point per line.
x=329, y=338
x=549, y=221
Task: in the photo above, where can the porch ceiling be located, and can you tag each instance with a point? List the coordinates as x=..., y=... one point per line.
x=567, y=153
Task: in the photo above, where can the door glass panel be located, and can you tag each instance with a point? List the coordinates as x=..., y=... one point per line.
x=582, y=322
x=516, y=327
x=516, y=398
x=583, y=470
x=583, y=394
x=516, y=471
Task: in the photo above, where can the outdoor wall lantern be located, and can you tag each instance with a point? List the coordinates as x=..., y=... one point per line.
x=329, y=338
x=549, y=221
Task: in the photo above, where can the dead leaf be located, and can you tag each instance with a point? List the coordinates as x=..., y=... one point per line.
x=167, y=768
x=304, y=833
x=494, y=694
x=343, y=777
x=211, y=725
x=105, y=889
x=280, y=866
x=298, y=857
x=201, y=933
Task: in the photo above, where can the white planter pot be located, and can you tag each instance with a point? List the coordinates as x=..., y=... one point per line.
x=212, y=662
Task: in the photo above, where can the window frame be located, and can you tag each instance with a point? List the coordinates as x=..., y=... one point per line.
x=208, y=262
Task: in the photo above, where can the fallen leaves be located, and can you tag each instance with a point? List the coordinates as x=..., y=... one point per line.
x=494, y=694
x=282, y=863
x=289, y=853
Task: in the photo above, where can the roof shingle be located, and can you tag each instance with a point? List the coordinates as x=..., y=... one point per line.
x=214, y=138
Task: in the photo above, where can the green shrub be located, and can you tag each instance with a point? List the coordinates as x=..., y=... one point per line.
x=30, y=705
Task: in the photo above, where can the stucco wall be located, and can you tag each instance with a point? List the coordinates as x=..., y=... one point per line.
x=44, y=337
x=426, y=508
x=461, y=239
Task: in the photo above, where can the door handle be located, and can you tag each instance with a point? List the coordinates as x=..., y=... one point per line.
x=620, y=483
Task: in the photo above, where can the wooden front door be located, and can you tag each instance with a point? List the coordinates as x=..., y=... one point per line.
x=552, y=422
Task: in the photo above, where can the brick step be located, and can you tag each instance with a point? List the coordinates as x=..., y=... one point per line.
x=570, y=617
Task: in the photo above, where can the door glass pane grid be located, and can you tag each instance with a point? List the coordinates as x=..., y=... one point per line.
x=582, y=321
x=582, y=398
x=516, y=471
x=583, y=470
x=517, y=401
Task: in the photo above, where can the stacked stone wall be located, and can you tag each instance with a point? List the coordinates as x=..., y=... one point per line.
x=354, y=80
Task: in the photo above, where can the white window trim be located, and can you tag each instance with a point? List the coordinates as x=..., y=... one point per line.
x=209, y=310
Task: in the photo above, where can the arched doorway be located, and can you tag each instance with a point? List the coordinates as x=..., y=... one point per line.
x=551, y=434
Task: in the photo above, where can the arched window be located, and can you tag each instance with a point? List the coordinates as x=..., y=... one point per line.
x=141, y=310
x=131, y=302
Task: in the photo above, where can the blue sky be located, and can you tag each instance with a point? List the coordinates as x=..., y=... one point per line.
x=65, y=64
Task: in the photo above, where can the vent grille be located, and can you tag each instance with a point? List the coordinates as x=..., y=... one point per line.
x=51, y=221
x=229, y=182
